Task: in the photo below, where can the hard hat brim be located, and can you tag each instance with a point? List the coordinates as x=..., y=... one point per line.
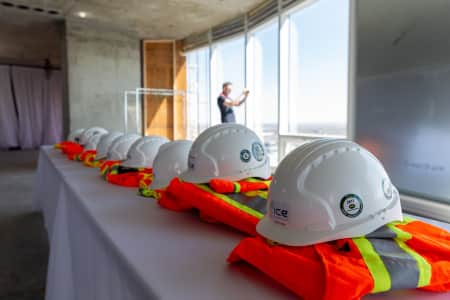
x=287, y=236
x=192, y=177
x=131, y=164
x=100, y=156
x=159, y=184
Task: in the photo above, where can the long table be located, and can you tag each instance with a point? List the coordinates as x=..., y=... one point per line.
x=106, y=242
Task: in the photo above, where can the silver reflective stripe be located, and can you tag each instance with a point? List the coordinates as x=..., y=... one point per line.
x=402, y=267
x=256, y=203
x=383, y=232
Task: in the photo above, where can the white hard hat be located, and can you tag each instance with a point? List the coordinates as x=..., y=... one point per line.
x=120, y=147
x=91, y=132
x=170, y=162
x=105, y=143
x=74, y=136
x=226, y=151
x=143, y=152
x=328, y=190
x=93, y=141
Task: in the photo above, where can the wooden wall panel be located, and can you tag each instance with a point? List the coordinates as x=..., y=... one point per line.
x=164, y=68
x=158, y=73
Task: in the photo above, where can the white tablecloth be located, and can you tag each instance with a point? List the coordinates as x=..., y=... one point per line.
x=108, y=243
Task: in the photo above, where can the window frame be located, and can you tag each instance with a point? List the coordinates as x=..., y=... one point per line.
x=207, y=84
x=250, y=62
x=284, y=85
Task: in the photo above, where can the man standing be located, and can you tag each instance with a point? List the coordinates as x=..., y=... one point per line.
x=226, y=104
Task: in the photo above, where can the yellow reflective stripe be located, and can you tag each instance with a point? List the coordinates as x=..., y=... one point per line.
x=380, y=275
x=89, y=157
x=237, y=187
x=114, y=169
x=261, y=194
x=232, y=202
x=405, y=221
x=401, y=235
x=251, y=179
x=142, y=182
x=149, y=193
x=106, y=170
x=422, y=264
x=95, y=163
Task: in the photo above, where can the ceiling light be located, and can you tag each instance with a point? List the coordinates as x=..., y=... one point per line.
x=82, y=14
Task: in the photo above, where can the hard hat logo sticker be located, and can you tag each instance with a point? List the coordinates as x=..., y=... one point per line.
x=351, y=205
x=245, y=155
x=258, y=151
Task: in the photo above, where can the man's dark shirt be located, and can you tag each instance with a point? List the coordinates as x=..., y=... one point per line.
x=226, y=113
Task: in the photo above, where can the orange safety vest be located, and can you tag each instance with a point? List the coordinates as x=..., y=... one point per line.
x=71, y=149
x=88, y=159
x=106, y=165
x=125, y=176
x=400, y=255
x=73, y=152
x=82, y=155
x=238, y=209
x=63, y=144
x=145, y=190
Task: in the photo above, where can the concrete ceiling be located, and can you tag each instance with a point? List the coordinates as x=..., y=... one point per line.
x=395, y=35
x=152, y=19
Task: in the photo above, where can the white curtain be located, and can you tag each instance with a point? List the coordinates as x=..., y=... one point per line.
x=38, y=95
x=8, y=117
x=29, y=90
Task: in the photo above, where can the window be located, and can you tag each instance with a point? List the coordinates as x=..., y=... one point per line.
x=314, y=70
x=262, y=79
x=133, y=113
x=197, y=92
x=227, y=64
x=297, y=76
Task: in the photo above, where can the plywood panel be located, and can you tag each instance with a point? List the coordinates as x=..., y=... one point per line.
x=159, y=74
x=165, y=68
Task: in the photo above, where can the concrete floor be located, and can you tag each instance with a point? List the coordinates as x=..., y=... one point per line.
x=23, y=239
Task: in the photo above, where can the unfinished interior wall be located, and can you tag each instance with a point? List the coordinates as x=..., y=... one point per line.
x=101, y=65
x=30, y=40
